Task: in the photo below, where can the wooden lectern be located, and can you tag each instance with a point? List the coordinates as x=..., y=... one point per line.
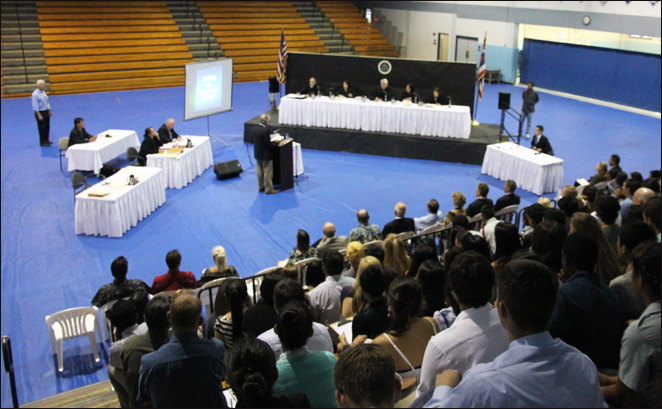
x=283, y=164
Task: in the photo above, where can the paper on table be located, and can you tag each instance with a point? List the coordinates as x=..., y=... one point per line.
x=128, y=169
x=116, y=185
x=170, y=155
x=99, y=193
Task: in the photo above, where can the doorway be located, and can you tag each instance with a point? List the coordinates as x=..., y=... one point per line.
x=442, y=47
x=466, y=49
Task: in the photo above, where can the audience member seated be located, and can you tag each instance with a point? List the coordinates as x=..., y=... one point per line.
x=303, y=250
x=615, y=163
x=640, y=347
x=221, y=307
x=477, y=335
x=652, y=214
x=174, y=279
x=608, y=209
x=290, y=290
x=547, y=242
x=366, y=232
x=325, y=298
x=149, y=145
x=507, y=243
x=262, y=317
x=395, y=254
x=482, y=190
x=373, y=320
x=601, y=176
x=229, y=327
x=587, y=313
x=187, y=371
x=510, y=198
x=354, y=255
x=401, y=224
x=433, y=282
x=290, y=271
x=140, y=300
x=120, y=287
x=468, y=241
x=557, y=216
x=423, y=252
x=532, y=216
x=458, y=201
x=568, y=202
x=632, y=234
x=314, y=275
x=167, y=131
x=353, y=302
x=134, y=348
x=608, y=266
x=330, y=241
x=616, y=184
x=652, y=184
x=641, y=196
x=434, y=217
x=252, y=373
x=490, y=222
x=365, y=377
x=588, y=197
x=446, y=316
x=220, y=269
x=79, y=135
x=536, y=370
x=294, y=328
x=545, y=202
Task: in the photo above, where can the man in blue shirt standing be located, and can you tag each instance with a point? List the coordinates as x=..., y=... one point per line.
x=42, y=112
x=536, y=370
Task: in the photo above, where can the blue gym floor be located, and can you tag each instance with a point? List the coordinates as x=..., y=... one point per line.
x=47, y=268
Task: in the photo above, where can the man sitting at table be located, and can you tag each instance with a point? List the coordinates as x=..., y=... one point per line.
x=311, y=89
x=540, y=142
x=151, y=144
x=79, y=134
x=383, y=93
x=167, y=131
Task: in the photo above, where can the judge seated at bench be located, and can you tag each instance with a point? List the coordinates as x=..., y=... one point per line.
x=383, y=93
x=409, y=94
x=150, y=145
x=438, y=97
x=346, y=90
x=311, y=89
x=540, y=142
x=79, y=134
x=167, y=131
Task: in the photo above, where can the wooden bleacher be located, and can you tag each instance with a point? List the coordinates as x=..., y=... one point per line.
x=95, y=46
x=360, y=34
x=249, y=32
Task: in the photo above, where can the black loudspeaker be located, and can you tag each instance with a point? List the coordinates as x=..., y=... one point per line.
x=273, y=85
x=227, y=170
x=504, y=100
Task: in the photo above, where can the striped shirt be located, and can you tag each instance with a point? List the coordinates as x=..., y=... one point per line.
x=224, y=327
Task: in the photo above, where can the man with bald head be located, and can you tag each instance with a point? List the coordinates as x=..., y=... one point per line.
x=366, y=232
x=401, y=224
x=167, y=131
x=42, y=112
x=639, y=199
x=311, y=89
x=263, y=155
x=331, y=241
x=187, y=371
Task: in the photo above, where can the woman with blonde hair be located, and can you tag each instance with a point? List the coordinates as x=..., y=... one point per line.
x=602, y=175
x=608, y=266
x=458, y=201
x=354, y=302
x=547, y=204
x=395, y=254
x=220, y=269
x=354, y=255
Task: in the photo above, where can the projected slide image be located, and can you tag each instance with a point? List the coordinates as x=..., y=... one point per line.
x=208, y=88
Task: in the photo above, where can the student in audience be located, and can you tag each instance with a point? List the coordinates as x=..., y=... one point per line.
x=372, y=320
x=120, y=287
x=366, y=232
x=557, y=216
x=220, y=269
x=482, y=190
x=533, y=216
x=401, y=224
x=354, y=302
x=365, y=377
x=458, y=201
x=330, y=241
x=476, y=336
x=221, y=307
x=174, y=279
x=395, y=254
x=614, y=162
x=608, y=209
x=632, y=234
x=229, y=327
x=547, y=242
x=140, y=300
x=432, y=277
x=187, y=371
x=608, y=266
x=290, y=271
x=637, y=176
x=507, y=243
x=135, y=347
x=536, y=370
x=294, y=328
x=601, y=176
x=510, y=198
x=354, y=255
x=446, y=316
x=252, y=373
x=640, y=347
x=587, y=313
x=434, y=217
x=290, y=290
x=588, y=198
x=629, y=188
x=652, y=215
x=469, y=241
x=422, y=253
x=490, y=222
x=303, y=250
x=262, y=317
x=325, y=298
x=569, y=203
x=314, y=275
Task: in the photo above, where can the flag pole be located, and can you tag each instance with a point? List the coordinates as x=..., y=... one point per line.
x=480, y=82
x=475, y=122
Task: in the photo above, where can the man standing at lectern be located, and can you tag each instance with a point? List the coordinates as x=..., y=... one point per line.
x=529, y=101
x=262, y=149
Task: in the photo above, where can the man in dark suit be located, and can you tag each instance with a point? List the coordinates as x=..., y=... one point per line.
x=79, y=134
x=615, y=163
x=481, y=193
x=150, y=145
x=167, y=131
x=383, y=93
x=510, y=198
x=540, y=142
x=311, y=89
x=401, y=224
x=262, y=151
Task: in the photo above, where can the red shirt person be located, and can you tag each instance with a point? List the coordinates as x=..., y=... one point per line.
x=174, y=279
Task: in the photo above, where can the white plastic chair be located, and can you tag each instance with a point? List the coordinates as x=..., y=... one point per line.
x=343, y=252
x=373, y=243
x=72, y=323
x=506, y=214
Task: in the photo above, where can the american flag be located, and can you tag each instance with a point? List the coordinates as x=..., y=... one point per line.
x=481, y=70
x=282, y=58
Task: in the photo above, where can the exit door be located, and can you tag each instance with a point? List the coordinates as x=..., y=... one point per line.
x=466, y=49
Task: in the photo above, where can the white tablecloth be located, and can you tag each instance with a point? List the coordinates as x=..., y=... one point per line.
x=297, y=158
x=181, y=170
x=92, y=155
x=532, y=171
x=114, y=214
x=352, y=113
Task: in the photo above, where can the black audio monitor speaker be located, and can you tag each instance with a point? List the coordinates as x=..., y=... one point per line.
x=504, y=100
x=227, y=170
x=273, y=85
